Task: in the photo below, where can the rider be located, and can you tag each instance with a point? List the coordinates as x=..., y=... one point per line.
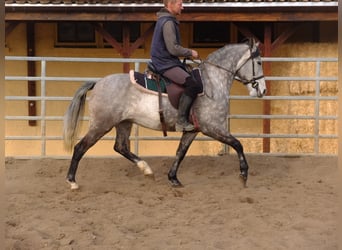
x=165, y=50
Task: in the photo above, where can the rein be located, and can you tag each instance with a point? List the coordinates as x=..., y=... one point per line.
x=253, y=81
x=216, y=65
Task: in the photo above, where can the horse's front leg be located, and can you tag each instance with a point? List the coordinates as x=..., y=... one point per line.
x=183, y=147
x=236, y=144
x=226, y=138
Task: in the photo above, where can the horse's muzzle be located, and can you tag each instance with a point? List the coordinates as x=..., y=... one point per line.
x=261, y=93
x=256, y=89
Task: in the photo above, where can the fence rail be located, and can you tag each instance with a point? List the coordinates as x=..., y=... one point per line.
x=43, y=98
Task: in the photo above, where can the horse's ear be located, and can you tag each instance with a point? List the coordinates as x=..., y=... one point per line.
x=251, y=42
x=248, y=41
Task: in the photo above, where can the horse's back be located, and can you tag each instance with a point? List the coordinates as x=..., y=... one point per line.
x=112, y=83
x=109, y=87
x=108, y=92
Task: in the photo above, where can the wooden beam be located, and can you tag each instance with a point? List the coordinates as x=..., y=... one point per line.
x=31, y=71
x=290, y=30
x=10, y=27
x=267, y=46
x=260, y=16
x=267, y=71
x=140, y=41
x=111, y=40
x=126, y=52
x=242, y=16
x=126, y=49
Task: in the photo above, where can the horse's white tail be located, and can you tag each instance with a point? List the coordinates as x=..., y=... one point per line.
x=73, y=114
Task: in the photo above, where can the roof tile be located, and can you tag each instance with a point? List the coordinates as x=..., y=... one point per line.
x=144, y=1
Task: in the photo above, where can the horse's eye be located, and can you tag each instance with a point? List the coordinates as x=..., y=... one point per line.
x=259, y=63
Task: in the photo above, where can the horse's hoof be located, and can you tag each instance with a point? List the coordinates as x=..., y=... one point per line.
x=145, y=168
x=150, y=176
x=175, y=183
x=73, y=185
x=243, y=180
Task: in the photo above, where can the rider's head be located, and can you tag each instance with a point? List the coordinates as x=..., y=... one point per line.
x=174, y=6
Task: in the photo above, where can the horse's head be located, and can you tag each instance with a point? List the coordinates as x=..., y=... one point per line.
x=249, y=70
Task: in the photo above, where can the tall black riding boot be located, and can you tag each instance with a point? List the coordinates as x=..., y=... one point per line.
x=184, y=107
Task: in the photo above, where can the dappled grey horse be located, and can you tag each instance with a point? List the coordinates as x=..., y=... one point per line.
x=116, y=102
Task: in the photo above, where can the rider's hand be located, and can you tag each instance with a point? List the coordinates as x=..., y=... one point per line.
x=194, y=53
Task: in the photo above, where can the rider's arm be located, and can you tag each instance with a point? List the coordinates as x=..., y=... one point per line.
x=171, y=43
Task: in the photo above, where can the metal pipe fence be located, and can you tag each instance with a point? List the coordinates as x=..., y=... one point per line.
x=43, y=98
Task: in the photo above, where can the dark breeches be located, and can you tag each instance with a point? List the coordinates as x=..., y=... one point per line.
x=180, y=76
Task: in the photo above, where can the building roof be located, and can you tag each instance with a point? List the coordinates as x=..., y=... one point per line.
x=194, y=10
x=193, y=3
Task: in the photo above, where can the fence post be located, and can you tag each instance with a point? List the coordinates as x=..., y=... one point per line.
x=317, y=105
x=43, y=107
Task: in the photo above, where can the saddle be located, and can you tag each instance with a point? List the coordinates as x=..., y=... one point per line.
x=153, y=81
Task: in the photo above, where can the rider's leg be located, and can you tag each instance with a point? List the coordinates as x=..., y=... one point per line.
x=192, y=88
x=184, y=107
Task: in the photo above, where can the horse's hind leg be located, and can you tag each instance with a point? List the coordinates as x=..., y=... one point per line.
x=80, y=149
x=183, y=147
x=122, y=146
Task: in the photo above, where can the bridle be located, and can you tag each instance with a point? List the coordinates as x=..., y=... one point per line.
x=252, y=81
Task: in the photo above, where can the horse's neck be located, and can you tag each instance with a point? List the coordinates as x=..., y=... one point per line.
x=218, y=73
x=217, y=82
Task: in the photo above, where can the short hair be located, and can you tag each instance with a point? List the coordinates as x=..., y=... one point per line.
x=168, y=1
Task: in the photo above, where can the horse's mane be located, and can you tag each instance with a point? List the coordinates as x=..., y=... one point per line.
x=219, y=53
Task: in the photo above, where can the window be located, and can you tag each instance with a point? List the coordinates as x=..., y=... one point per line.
x=213, y=34
x=115, y=29
x=77, y=34
x=83, y=34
